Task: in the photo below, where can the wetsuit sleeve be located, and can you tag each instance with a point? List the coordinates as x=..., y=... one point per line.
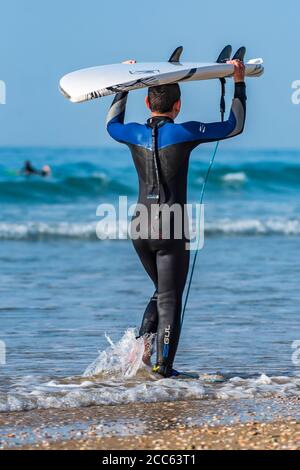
x=115, y=118
x=209, y=132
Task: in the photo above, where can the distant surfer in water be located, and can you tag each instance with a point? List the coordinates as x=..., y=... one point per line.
x=28, y=170
x=161, y=151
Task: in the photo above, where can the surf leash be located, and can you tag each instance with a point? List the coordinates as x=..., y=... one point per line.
x=223, y=58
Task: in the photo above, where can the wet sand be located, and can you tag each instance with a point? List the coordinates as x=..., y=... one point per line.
x=199, y=424
x=250, y=436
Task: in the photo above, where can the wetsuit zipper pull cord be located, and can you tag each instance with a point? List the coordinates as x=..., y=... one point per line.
x=154, y=154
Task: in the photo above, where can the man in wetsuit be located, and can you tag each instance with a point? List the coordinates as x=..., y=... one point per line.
x=161, y=149
x=30, y=170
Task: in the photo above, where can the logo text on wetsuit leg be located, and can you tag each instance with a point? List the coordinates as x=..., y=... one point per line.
x=167, y=341
x=167, y=334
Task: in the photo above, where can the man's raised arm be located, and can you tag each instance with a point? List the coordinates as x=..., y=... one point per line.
x=236, y=121
x=115, y=117
x=198, y=132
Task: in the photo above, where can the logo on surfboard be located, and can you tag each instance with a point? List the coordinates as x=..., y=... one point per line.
x=141, y=72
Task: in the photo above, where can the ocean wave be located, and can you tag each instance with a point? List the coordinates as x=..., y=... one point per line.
x=43, y=230
x=118, y=376
x=263, y=176
x=54, y=190
x=272, y=226
x=119, y=231
x=55, y=394
x=238, y=177
x=84, y=180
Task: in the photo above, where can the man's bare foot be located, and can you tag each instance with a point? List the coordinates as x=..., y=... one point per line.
x=148, y=351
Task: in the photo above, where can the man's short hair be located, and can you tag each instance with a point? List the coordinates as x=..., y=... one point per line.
x=163, y=97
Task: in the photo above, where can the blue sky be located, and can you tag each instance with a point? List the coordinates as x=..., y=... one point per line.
x=41, y=41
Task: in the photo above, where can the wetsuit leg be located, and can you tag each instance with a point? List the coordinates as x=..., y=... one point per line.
x=173, y=265
x=150, y=319
x=167, y=263
x=148, y=259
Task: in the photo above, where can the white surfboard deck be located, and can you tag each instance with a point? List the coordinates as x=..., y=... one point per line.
x=95, y=82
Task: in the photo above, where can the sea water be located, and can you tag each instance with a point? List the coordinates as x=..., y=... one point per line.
x=70, y=303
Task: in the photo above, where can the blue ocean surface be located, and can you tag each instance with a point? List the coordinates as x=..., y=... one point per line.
x=63, y=289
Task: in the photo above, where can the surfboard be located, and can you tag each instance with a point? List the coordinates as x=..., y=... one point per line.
x=96, y=82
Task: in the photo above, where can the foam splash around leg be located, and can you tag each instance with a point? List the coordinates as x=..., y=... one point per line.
x=121, y=360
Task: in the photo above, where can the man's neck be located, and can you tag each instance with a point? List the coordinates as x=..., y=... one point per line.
x=168, y=115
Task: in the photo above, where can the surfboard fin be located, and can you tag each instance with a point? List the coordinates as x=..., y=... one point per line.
x=225, y=54
x=223, y=57
x=175, y=57
x=240, y=54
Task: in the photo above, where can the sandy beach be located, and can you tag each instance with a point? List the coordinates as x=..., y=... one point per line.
x=250, y=436
x=149, y=229
x=235, y=424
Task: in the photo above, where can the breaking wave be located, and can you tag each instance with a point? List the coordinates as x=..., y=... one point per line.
x=87, y=231
x=118, y=376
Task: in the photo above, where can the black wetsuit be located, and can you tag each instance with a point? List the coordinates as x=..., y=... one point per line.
x=161, y=150
x=30, y=170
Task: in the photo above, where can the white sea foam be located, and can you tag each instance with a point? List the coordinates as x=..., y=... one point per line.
x=272, y=226
x=239, y=177
x=248, y=227
x=263, y=386
x=122, y=359
x=142, y=389
x=118, y=376
x=45, y=230
x=31, y=230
